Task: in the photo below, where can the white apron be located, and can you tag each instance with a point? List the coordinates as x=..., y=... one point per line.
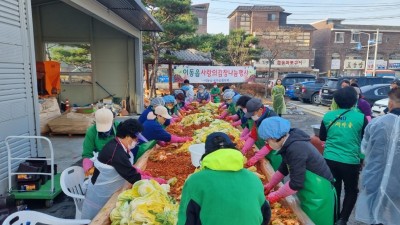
x=97, y=195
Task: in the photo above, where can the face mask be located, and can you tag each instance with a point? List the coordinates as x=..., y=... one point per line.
x=255, y=117
x=215, y=86
x=105, y=134
x=133, y=145
x=274, y=145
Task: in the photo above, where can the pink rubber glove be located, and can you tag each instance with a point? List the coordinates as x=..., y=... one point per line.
x=245, y=132
x=244, y=138
x=223, y=115
x=142, y=173
x=159, y=180
x=369, y=118
x=222, y=106
x=237, y=123
x=162, y=143
x=248, y=145
x=259, y=155
x=283, y=192
x=275, y=179
x=177, y=139
x=233, y=117
x=188, y=139
x=87, y=164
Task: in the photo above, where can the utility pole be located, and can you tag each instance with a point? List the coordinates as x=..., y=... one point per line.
x=376, y=52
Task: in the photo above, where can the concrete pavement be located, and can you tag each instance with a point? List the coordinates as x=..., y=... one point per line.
x=317, y=110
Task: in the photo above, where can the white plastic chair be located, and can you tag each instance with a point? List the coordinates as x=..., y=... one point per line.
x=22, y=217
x=72, y=185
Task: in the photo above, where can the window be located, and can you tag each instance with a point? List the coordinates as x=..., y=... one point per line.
x=200, y=21
x=245, y=22
x=382, y=91
x=75, y=60
x=379, y=37
x=335, y=56
x=355, y=38
x=339, y=37
x=271, y=17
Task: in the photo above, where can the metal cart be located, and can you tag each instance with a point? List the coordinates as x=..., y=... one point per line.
x=49, y=190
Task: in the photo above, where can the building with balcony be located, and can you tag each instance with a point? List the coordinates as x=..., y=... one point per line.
x=341, y=49
x=291, y=43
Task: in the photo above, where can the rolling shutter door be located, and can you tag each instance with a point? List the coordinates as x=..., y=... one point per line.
x=17, y=95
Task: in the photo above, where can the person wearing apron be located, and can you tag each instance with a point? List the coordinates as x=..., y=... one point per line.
x=215, y=91
x=114, y=166
x=155, y=132
x=97, y=136
x=239, y=114
x=223, y=192
x=258, y=112
x=310, y=176
x=230, y=106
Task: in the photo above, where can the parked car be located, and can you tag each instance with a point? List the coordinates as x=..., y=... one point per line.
x=375, y=92
x=334, y=83
x=290, y=79
x=290, y=92
x=309, y=91
x=379, y=107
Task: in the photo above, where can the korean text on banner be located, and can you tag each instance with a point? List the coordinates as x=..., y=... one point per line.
x=211, y=74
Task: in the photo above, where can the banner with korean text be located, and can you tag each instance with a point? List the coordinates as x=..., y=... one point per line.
x=211, y=74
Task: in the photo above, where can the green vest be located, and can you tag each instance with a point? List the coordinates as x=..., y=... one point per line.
x=344, y=136
x=93, y=143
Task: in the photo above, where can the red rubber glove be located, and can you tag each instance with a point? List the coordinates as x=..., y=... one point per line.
x=283, y=192
x=275, y=179
x=259, y=155
x=248, y=145
x=87, y=164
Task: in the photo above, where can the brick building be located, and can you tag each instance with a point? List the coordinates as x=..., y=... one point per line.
x=200, y=11
x=338, y=52
x=291, y=42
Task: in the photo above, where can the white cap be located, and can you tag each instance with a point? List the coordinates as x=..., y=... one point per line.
x=162, y=111
x=104, y=119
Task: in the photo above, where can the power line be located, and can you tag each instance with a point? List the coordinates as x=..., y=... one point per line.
x=353, y=18
x=308, y=5
x=314, y=12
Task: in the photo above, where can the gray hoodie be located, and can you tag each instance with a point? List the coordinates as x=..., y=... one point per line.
x=298, y=156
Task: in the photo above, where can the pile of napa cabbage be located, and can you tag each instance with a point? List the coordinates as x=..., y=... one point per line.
x=147, y=202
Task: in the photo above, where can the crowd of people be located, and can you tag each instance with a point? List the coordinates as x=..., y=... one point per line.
x=353, y=142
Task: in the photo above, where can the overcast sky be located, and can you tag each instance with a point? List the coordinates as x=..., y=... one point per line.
x=308, y=11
